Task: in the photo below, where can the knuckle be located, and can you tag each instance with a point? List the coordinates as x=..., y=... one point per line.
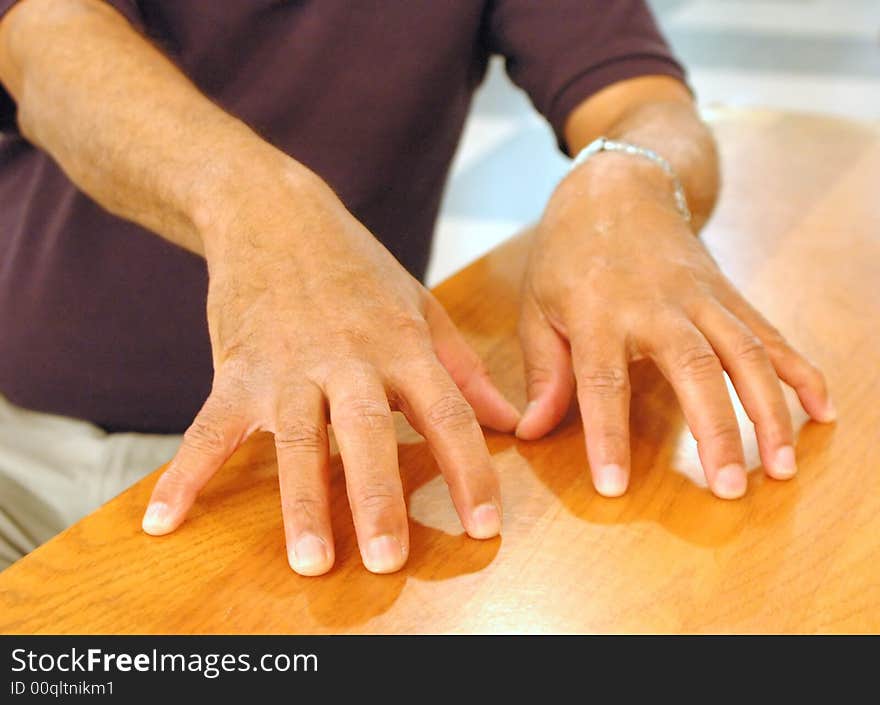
x=367, y=414
x=604, y=382
x=176, y=479
x=305, y=506
x=232, y=380
x=612, y=436
x=204, y=436
x=815, y=373
x=811, y=375
x=610, y=441
x=411, y=326
x=450, y=411
x=301, y=436
x=697, y=362
x=722, y=433
x=772, y=339
x=538, y=376
x=351, y=341
x=376, y=497
x=782, y=353
x=749, y=348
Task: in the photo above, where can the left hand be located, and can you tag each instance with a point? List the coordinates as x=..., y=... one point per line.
x=616, y=275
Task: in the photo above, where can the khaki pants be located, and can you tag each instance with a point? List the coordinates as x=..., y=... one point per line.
x=54, y=470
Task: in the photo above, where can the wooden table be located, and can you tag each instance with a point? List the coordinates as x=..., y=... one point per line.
x=798, y=229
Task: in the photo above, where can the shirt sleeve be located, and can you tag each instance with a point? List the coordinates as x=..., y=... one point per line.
x=564, y=51
x=129, y=10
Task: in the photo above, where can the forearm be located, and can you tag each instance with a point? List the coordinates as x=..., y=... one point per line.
x=664, y=120
x=128, y=127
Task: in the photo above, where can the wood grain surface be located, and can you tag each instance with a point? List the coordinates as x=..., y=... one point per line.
x=798, y=229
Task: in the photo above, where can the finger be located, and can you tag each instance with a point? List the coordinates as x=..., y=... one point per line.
x=792, y=367
x=216, y=432
x=757, y=384
x=468, y=371
x=301, y=447
x=436, y=409
x=603, y=391
x=690, y=364
x=549, y=377
x=364, y=430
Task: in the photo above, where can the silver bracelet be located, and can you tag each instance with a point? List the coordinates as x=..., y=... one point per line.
x=603, y=144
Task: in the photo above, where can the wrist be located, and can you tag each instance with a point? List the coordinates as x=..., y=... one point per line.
x=612, y=185
x=250, y=196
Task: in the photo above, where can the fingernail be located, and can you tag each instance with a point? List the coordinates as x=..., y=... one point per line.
x=309, y=555
x=383, y=554
x=784, y=464
x=830, y=413
x=730, y=482
x=610, y=481
x=157, y=519
x=485, y=521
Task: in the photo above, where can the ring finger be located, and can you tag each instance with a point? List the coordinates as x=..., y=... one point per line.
x=693, y=369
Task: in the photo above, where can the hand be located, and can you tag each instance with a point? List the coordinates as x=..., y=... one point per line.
x=616, y=276
x=307, y=313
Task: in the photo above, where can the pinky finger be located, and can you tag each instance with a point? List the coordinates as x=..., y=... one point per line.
x=792, y=367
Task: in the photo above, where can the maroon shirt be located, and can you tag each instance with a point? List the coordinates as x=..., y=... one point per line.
x=103, y=320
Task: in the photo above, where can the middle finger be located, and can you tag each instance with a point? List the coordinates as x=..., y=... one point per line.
x=364, y=429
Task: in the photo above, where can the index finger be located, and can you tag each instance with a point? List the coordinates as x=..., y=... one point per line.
x=213, y=436
x=603, y=391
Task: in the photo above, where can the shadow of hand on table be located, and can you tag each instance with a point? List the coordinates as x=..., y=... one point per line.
x=667, y=485
x=279, y=600
x=667, y=488
x=435, y=553
x=537, y=477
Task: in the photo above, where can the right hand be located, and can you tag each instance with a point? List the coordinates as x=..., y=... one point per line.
x=308, y=312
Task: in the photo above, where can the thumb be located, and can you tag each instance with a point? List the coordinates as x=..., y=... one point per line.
x=549, y=375
x=468, y=371
x=207, y=444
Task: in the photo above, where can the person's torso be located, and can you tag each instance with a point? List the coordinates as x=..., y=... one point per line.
x=104, y=321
